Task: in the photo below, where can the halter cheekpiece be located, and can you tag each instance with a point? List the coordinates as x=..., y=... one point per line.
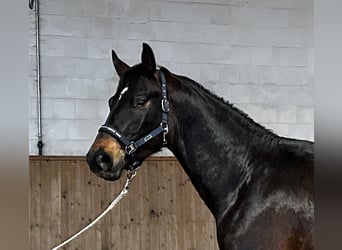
x=132, y=146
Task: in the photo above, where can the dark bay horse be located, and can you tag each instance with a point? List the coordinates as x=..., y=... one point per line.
x=259, y=186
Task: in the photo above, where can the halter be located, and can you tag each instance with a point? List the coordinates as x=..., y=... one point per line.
x=132, y=146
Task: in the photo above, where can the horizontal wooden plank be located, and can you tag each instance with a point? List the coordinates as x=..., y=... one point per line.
x=82, y=158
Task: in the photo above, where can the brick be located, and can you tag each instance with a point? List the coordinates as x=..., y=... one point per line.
x=279, y=4
x=147, y=31
x=268, y=94
x=32, y=69
x=54, y=129
x=254, y=35
x=102, y=109
x=54, y=87
x=248, y=74
x=306, y=38
x=297, y=57
x=32, y=108
x=286, y=114
x=301, y=131
x=64, y=25
x=290, y=57
x=267, y=74
x=209, y=73
x=82, y=129
x=47, y=108
x=172, y=32
x=261, y=56
x=32, y=87
x=32, y=46
x=301, y=19
x=33, y=149
x=301, y=96
x=268, y=114
x=86, y=109
x=242, y=93
x=183, y=53
x=241, y=55
x=96, y=8
x=98, y=89
x=305, y=115
x=194, y=53
x=229, y=74
x=102, y=28
x=257, y=74
x=91, y=68
x=74, y=7
x=286, y=37
x=221, y=54
x=33, y=128
x=66, y=147
x=109, y=28
x=52, y=46
x=99, y=48
x=178, y=32
x=207, y=2
x=259, y=17
x=217, y=34
x=304, y=4
x=64, y=109
x=58, y=66
x=220, y=14
x=293, y=76
x=51, y=7
x=75, y=47
x=280, y=56
x=134, y=10
x=180, y=12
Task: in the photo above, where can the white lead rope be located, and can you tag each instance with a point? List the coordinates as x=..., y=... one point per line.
x=123, y=192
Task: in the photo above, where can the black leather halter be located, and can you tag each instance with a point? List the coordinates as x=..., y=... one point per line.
x=132, y=146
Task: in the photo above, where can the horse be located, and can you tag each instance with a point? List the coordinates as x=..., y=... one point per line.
x=258, y=185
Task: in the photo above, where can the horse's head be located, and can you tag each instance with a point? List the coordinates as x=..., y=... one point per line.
x=133, y=129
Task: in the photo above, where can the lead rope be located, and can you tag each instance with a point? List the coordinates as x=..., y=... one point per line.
x=131, y=174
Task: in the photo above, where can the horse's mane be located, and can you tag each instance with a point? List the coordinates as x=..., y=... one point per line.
x=193, y=84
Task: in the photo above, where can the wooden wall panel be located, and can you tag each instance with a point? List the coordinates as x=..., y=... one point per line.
x=161, y=211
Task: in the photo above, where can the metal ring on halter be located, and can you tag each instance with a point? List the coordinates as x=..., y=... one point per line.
x=131, y=174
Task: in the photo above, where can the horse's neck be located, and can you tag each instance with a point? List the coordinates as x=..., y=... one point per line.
x=213, y=143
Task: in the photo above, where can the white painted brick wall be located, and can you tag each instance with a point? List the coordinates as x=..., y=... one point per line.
x=257, y=54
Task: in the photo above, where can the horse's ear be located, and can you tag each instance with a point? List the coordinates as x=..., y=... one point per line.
x=147, y=58
x=119, y=65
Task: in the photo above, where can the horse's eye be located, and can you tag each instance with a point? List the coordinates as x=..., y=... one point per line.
x=139, y=102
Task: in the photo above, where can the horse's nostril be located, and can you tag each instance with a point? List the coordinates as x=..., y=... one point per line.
x=103, y=161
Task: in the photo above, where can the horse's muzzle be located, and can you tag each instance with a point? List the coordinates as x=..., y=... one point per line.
x=106, y=158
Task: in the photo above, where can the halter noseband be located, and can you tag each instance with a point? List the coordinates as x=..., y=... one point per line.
x=132, y=146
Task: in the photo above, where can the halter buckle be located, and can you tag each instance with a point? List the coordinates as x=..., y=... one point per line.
x=130, y=149
x=165, y=131
x=165, y=105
